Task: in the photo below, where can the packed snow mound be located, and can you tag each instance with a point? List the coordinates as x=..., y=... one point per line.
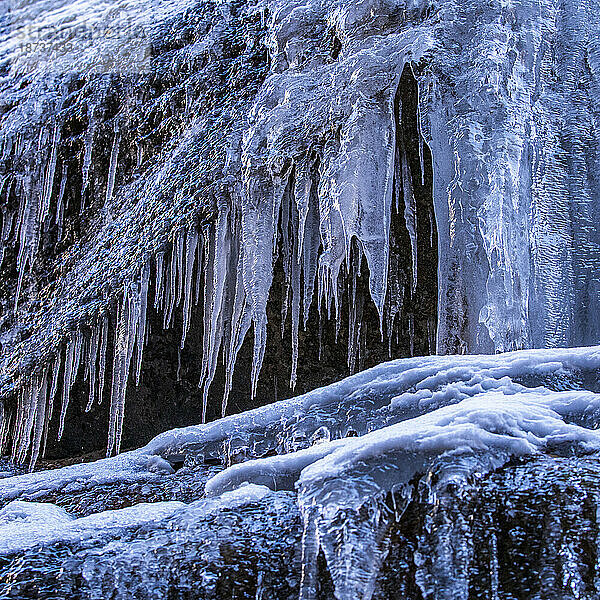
x=27, y=525
x=490, y=424
x=47, y=524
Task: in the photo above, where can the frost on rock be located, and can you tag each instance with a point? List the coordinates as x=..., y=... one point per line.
x=229, y=133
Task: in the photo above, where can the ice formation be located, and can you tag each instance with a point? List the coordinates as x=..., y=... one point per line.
x=25, y=525
x=191, y=188
x=438, y=423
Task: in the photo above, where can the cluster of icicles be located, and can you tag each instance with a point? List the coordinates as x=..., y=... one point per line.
x=203, y=266
x=324, y=214
x=35, y=189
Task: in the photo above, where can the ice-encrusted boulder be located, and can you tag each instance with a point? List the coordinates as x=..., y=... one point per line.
x=413, y=475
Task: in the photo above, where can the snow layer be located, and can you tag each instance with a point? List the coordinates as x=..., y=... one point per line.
x=390, y=393
x=491, y=423
x=27, y=525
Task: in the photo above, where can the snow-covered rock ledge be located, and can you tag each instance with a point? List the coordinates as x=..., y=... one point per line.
x=347, y=449
x=518, y=403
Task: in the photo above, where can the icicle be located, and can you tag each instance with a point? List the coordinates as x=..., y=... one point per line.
x=199, y=253
x=112, y=170
x=295, y=287
x=431, y=228
x=286, y=259
x=55, y=370
x=8, y=219
x=20, y=417
x=41, y=407
x=411, y=333
x=85, y=356
x=28, y=232
x=244, y=322
x=4, y=428
x=258, y=232
x=190, y=257
x=171, y=289
x=258, y=353
x=302, y=193
x=410, y=212
x=25, y=421
x=87, y=154
x=430, y=336
x=215, y=270
x=60, y=206
x=31, y=419
x=310, y=554
x=160, y=276
x=420, y=128
x=422, y=160
x=72, y=356
x=310, y=251
x=118, y=374
x=446, y=548
x=354, y=311
x=141, y=327
x=180, y=250
x=54, y=384
x=125, y=338
x=68, y=368
x=102, y=360
x=49, y=176
x=241, y=318
x=90, y=368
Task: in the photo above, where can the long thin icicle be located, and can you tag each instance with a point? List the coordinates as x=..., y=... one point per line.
x=90, y=367
x=88, y=145
x=60, y=202
x=72, y=356
x=125, y=337
x=191, y=244
x=102, y=356
x=141, y=327
x=215, y=271
x=112, y=169
x=49, y=177
x=41, y=422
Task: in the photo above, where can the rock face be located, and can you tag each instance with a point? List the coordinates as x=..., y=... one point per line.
x=127, y=187
x=158, y=155
x=209, y=206
x=528, y=531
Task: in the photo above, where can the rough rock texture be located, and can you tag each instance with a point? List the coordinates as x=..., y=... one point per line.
x=528, y=531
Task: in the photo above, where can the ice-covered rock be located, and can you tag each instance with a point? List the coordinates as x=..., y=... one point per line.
x=383, y=396
x=439, y=424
